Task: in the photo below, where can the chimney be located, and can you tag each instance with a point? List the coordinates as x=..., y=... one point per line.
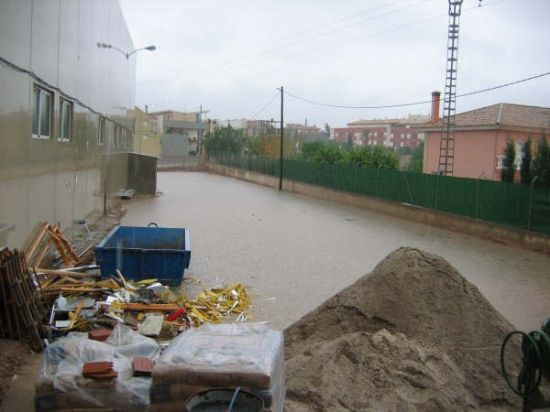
x=146, y=109
x=435, y=106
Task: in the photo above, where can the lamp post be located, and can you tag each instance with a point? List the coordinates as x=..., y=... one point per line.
x=126, y=54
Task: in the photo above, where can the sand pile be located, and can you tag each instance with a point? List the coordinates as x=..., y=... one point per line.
x=412, y=335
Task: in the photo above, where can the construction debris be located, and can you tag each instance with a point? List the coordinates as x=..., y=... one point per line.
x=49, y=235
x=21, y=313
x=98, y=332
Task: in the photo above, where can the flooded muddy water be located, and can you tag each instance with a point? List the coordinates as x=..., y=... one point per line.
x=301, y=250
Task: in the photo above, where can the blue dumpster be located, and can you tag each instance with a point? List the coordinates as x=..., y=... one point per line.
x=145, y=252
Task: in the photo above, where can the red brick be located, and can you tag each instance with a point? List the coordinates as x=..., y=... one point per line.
x=143, y=366
x=99, y=334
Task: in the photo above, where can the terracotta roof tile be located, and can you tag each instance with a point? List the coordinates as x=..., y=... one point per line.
x=503, y=114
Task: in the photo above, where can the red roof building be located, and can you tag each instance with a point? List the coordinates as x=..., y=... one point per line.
x=481, y=135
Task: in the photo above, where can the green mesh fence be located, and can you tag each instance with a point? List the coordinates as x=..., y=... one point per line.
x=515, y=205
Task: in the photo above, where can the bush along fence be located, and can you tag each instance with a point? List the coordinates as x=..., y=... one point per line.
x=511, y=204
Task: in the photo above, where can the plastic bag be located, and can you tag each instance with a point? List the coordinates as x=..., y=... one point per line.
x=132, y=344
x=227, y=355
x=60, y=384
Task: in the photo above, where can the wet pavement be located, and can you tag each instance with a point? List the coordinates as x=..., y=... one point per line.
x=301, y=250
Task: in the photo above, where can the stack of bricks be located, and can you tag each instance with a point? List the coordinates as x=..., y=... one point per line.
x=220, y=356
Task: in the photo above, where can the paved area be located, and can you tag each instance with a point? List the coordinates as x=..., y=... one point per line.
x=300, y=251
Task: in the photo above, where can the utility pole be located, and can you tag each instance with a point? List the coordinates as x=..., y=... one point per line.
x=282, y=141
x=200, y=133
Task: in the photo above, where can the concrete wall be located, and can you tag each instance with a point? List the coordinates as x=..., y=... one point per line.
x=142, y=173
x=502, y=234
x=55, y=41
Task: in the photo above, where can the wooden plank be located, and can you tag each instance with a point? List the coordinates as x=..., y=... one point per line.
x=156, y=307
x=36, y=242
x=43, y=252
x=67, y=245
x=62, y=272
x=58, y=246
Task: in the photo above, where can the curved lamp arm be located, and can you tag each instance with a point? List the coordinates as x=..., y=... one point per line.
x=127, y=55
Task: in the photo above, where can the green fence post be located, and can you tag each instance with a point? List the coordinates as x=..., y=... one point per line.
x=436, y=191
x=477, y=199
x=530, y=216
x=378, y=182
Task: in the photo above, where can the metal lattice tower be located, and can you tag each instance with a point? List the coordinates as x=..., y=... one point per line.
x=447, y=145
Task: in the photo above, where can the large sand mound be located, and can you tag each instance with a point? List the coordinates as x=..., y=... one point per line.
x=441, y=315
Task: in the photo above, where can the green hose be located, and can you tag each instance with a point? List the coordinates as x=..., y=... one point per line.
x=539, y=359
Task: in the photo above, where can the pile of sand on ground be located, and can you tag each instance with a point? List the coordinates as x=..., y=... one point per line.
x=440, y=343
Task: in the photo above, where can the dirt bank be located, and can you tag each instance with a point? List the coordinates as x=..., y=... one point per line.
x=411, y=335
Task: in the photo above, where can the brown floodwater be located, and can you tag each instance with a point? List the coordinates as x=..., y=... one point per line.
x=295, y=251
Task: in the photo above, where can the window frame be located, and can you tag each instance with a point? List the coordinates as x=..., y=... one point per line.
x=51, y=96
x=70, y=104
x=101, y=131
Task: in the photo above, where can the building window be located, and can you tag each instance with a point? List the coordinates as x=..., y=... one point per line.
x=101, y=131
x=41, y=113
x=116, y=139
x=65, y=120
x=500, y=162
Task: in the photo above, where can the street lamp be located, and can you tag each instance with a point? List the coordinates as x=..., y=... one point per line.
x=127, y=55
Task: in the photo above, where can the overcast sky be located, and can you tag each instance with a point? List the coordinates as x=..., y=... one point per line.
x=230, y=55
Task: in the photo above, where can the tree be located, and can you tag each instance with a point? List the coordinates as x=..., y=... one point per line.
x=329, y=154
x=417, y=159
x=359, y=157
x=225, y=140
x=310, y=148
x=384, y=158
x=253, y=145
x=526, y=160
x=327, y=129
x=508, y=164
x=541, y=162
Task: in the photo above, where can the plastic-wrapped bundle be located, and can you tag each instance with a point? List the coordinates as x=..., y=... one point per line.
x=215, y=356
x=60, y=384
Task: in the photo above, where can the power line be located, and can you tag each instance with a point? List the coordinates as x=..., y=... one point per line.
x=247, y=63
x=389, y=106
x=265, y=107
x=263, y=50
x=391, y=30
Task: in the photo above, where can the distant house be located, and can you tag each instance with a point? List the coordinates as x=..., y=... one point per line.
x=147, y=132
x=393, y=133
x=480, y=137
x=305, y=132
x=182, y=133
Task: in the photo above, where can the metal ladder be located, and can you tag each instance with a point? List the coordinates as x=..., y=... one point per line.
x=447, y=144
